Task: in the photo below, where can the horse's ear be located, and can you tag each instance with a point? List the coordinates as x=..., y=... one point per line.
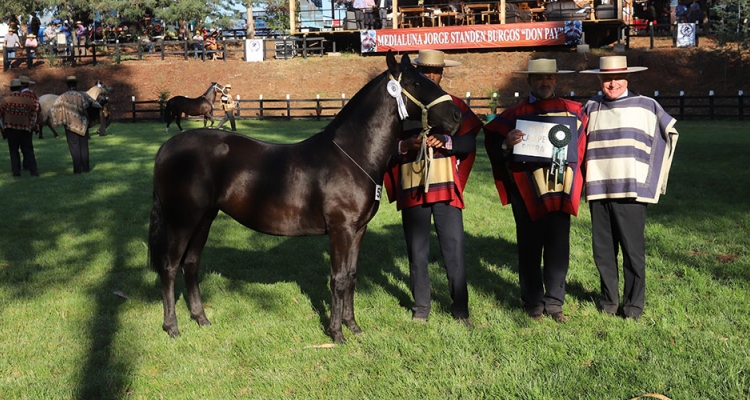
x=405, y=61
x=390, y=60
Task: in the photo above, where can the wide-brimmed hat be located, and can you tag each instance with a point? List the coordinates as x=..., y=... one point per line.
x=543, y=66
x=31, y=35
x=228, y=86
x=25, y=80
x=433, y=58
x=15, y=83
x=71, y=78
x=79, y=23
x=614, y=65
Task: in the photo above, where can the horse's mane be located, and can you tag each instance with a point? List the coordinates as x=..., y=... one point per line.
x=353, y=106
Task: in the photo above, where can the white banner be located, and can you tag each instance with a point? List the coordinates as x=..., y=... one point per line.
x=254, y=50
x=686, y=33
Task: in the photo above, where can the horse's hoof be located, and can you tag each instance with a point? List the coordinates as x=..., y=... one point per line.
x=173, y=332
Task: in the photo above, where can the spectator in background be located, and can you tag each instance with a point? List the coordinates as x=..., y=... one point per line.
x=384, y=6
x=681, y=12
x=81, y=35
x=68, y=31
x=11, y=42
x=35, y=24
x=198, y=45
x=359, y=13
x=30, y=46
x=50, y=34
x=695, y=14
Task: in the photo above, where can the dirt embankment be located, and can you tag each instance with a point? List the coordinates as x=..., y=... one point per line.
x=695, y=71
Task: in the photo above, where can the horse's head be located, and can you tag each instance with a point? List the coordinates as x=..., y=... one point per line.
x=423, y=98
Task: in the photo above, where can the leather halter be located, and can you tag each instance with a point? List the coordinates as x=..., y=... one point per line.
x=424, y=151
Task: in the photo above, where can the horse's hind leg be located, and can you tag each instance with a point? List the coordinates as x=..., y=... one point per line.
x=177, y=120
x=191, y=264
x=344, y=253
x=54, y=132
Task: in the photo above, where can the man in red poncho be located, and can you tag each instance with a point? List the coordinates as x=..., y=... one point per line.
x=438, y=194
x=536, y=149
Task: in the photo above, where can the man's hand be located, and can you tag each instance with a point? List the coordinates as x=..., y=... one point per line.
x=513, y=138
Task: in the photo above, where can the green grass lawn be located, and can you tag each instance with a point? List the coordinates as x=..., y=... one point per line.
x=81, y=312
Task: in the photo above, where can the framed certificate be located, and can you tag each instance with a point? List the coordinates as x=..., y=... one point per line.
x=537, y=145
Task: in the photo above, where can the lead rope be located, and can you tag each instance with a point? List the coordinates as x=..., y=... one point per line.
x=426, y=153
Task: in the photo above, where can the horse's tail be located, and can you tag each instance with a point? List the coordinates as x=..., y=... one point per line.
x=157, y=235
x=168, y=113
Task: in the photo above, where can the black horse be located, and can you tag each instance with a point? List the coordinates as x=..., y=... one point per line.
x=203, y=105
x=326, y=184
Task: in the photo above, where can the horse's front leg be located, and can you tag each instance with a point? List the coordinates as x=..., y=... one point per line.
x=345, y=247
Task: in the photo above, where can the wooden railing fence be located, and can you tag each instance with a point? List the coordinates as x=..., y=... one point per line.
x=681, y=107
x=116, y=51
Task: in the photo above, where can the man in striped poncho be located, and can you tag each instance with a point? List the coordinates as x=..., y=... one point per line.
x=631, y=142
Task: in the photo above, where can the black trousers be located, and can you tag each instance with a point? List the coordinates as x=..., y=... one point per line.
x=21, y=140
x=615, y=224
x=228, y=115
x=79, y=151
x=449, y=226
x=545, y=240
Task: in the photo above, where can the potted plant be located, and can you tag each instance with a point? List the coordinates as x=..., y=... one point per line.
x=492, y=105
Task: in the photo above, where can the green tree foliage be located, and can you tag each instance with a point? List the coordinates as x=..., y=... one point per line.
x=730, y=22
x=114, y=12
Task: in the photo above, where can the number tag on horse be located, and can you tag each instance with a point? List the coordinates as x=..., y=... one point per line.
x=378, y=192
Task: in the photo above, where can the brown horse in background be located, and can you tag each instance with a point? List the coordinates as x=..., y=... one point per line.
x=328, y=184
x=203, y=105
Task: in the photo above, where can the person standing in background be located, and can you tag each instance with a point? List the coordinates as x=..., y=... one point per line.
x=71, y=110
x=228, y=106
x=20, y=114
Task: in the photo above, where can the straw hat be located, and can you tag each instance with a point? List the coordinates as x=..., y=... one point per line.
x=31, y=35
x=71, y=79
x=433, y=58
x=544, y=66
x=25, y=80
x=613, y=65
x=228, y=86
x=15, y=83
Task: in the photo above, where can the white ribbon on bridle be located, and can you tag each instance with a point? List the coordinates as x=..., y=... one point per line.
x=395, y=90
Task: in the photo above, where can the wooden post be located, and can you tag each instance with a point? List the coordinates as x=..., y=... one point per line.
x=260, y=107
x=740, y=102
x=682, y=104
x=651, y=33
x=288, y=108
x=711, y=104
x=133, y=103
